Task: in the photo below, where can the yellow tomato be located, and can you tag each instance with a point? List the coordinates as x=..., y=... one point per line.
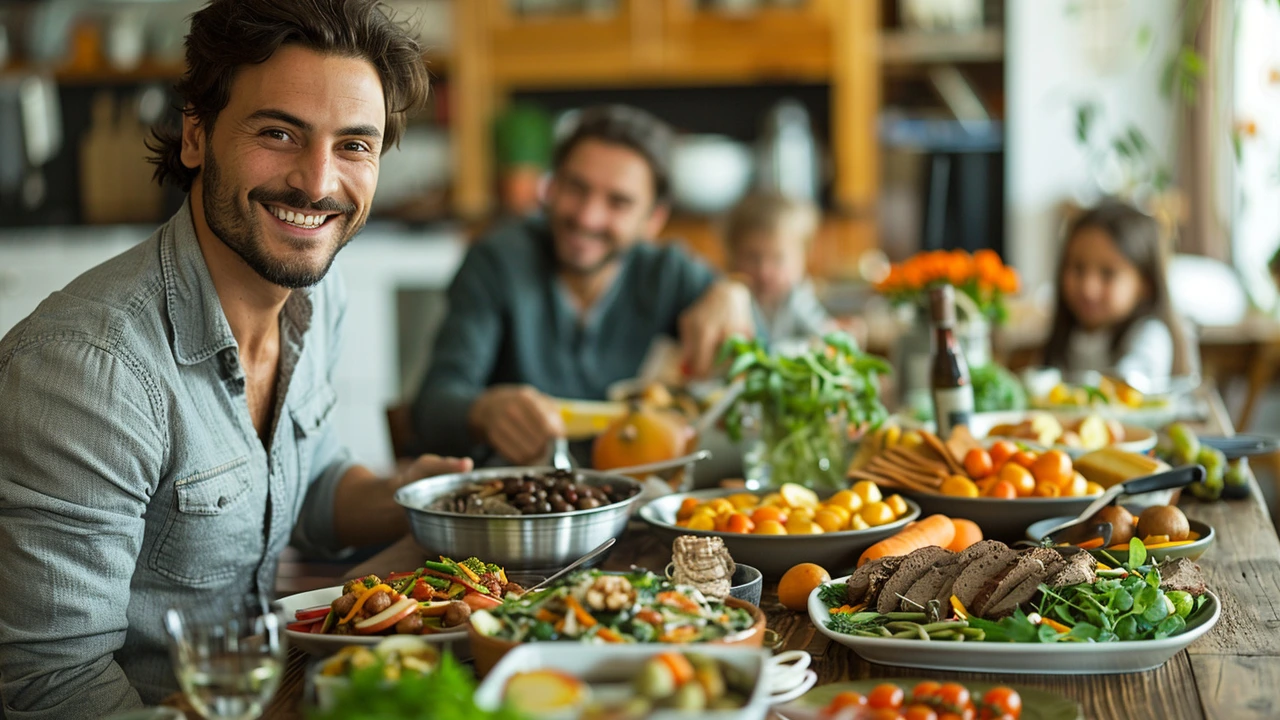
x=773, y=500
x=770, y=527
x=802, y=513
x=1093, y=488
x=897, y=504
x=829, y=521
x=1077, y=486
x=798, y=496
x=911, y=440
x=701, y=522
x=797, y=526
x=721, y=506
x=857, y=523
x=741, y=501
x=843, y=513
x=847, y=499
x=868, y=491
x=876, y=513
x=958, y=486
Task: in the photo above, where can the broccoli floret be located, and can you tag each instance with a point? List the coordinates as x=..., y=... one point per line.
x=475, y=565
x=492, y=568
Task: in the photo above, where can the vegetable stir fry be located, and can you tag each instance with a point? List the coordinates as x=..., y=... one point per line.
x=595, y=606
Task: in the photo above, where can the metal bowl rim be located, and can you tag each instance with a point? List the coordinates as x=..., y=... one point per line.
x=490, y=473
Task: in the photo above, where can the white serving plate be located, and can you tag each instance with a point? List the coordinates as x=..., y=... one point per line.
x=1020, y=658
x=454, y=640
x=612, y=664
x=1138, y=439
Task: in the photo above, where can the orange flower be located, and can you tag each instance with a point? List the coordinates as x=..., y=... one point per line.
x=1007, y=282
x=960, y=268
x=987, y=262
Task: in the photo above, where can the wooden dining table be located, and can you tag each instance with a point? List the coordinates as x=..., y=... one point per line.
x=1232, y=672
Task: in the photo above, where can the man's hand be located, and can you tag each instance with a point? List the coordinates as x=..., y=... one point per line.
x=517, y=421
x=428, y=466
x=364, y=507
x=722, y=311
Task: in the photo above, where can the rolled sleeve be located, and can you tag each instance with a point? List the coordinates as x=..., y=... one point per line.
x=463, y=358
x=80, y=463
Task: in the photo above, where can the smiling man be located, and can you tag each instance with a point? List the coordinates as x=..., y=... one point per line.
x=563, y=306
x=165, y=420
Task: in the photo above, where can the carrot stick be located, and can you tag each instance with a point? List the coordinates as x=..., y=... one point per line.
x=579, y=612
x=933, y=530
x=1090, y=544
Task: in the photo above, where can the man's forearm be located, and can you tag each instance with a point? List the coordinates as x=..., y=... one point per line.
x=365, y=511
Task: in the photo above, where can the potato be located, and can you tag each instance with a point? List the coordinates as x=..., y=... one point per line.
x=1121, y=523
x=1164, y=520
x=1046, y=429
x=1094, y=433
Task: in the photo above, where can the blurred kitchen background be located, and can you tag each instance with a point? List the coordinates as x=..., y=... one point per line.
x=916, y=124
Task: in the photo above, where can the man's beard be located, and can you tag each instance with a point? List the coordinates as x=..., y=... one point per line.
x=239, y=229
x=614, y=252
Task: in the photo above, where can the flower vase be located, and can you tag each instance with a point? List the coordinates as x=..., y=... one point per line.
x=814, y=455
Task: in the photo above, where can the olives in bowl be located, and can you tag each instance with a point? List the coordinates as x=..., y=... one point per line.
x=557, y=491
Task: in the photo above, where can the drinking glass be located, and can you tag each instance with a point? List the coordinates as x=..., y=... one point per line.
x=229, y=662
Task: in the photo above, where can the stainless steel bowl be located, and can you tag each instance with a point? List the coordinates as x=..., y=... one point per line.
x=523, y=542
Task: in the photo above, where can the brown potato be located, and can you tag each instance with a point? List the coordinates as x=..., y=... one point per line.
x=1164, y=520
x=1121, y=523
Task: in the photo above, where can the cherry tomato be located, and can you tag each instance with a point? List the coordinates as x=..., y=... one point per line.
x=977, y=462
x=1000, y=452
x=846, y=699
x=925, y=692
x=1004, y=700
x=954, y=697
x=886, y=696
x=885, y=714
x=966, y=714
x=1003, y=489
x=1024, y=458
x=919, y=712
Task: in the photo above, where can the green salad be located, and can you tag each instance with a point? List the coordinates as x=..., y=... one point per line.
x=602, y=607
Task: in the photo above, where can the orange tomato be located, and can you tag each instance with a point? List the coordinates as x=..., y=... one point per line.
x=1003, y=489
x=768, y=512
x=886, y=696
x=1000, y=452
x=1019, y=477
x=739, y=523
x=925, y=691
x=1047, y=489
x=978, y=463
x=919, y=712
x=1053, y=467
x=770, y=527
x=1075, y=486
x=1004, y=700
x=1025, y=458
x=829, y=520
x=967, y=533
x=958, y=486
x=846, y=699
x=686, y=508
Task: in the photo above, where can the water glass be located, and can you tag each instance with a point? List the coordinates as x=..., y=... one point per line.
x=228, y=664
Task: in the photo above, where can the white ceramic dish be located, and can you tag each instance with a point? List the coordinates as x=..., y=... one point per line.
x=1021, y=658
x=613, y=664
x=454, y=641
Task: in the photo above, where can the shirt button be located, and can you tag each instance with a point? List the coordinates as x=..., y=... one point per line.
x=222, y=501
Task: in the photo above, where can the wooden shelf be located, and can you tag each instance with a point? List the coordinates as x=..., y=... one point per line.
x=914, y=47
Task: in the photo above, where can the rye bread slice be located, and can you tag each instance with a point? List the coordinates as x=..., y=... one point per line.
x=912, y=568
x=930, y=584
x=1031, y=564
x=971, y=580
x=1025, y=590
x=1081, y=568
x=1182, y=574
x=858, y=583
x=963, y=560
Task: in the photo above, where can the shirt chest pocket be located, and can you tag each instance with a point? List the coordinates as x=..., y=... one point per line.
x=213, y=529
x=310, y=418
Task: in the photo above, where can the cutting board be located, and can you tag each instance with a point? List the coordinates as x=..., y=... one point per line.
x=115, y=177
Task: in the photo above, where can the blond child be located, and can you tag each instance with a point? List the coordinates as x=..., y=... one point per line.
x=767, y=240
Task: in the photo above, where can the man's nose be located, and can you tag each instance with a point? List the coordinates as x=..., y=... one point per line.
x=315, y=173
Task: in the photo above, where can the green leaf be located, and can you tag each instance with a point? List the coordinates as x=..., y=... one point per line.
x=1085, y=116
x=1170, y=626
x=741, y=363
x=1127, y=628
x=1121, y=601
x=1085, y=631
x=1137, y=553
x=1159, y=610
x=1146, y=598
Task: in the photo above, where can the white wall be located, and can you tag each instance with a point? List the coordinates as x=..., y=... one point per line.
x=1257, y=100
x=1059, y=54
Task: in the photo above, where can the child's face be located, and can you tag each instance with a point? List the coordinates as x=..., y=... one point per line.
x=1100, y=286
x=772, y=262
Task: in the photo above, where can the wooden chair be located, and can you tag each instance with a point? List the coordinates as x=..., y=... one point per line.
x=404, y=439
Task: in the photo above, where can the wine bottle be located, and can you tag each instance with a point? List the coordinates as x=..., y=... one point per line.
x=952, y=390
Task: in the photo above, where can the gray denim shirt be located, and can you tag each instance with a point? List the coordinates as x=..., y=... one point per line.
x=132, y=479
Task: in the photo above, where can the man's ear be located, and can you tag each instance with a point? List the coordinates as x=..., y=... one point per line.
x=657, y=220
x=193, y=142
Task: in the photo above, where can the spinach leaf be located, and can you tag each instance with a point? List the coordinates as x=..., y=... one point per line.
x=1171, y=625
x=1137, y=552
x=1127, y=628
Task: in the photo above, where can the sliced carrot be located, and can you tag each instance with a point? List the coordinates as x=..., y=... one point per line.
x=584, y=618
x=559, y=626
x=680, y=667
x=678, y=601
x=1055, y=625
x=608, y=635
x=546, y=615
x=1090, y=544
x=652, y=617
x=682, y=634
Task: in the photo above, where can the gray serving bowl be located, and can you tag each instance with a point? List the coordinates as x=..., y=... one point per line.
x=746, y=584
x=516, y=542
x=774, y=555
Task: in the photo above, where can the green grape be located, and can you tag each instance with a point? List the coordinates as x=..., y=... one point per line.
x=1236, y=479
x=1185, y=443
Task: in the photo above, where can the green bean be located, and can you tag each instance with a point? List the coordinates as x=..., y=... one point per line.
x=902, y=625
x=907, y=634
x=944, y=635
x=945, y=625
x=912, y=616
x=974, y=633
x=884, y=631
x=958, y=638
x=865, y=633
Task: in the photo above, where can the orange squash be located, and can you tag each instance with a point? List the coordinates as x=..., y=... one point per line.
x=644, y=435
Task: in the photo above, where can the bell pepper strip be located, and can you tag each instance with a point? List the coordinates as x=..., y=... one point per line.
x=679, y=601
x=454, y=578
x=469, y=573
x=502, y=575
x=397, y=575
x=1090, y=544
x=546, y=616
x=481, y=602
x=360, y=601
x=682, y=634
x=385, y=619
x=317, y=628
x=961, y=611
x=1055, y=625
x=1174, y=543
x=580, y=613
x=422, y=591
x=652, y=617
x=311, y=613
x=304, y=626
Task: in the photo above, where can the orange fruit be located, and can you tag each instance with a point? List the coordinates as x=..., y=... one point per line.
x=1025, y=458
x=1019, y=477
x=876, y=513
x=1000, y=452
x=770, y=527
x=1002, y=489
x=977, y=462
x=1075, y=486
x=1047, y=489
x=701, y=522
x=967, y=533
x=1053, y=467
x=798, y=582
x=686, y=508
x=1092, y=488
x=829, y=521
x=769, y=512
x=958, y=486
x=742, y=501
x=642, y=436
x=739, y=523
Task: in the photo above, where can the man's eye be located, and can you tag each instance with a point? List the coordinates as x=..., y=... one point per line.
x=276, y=135
x=355, y=147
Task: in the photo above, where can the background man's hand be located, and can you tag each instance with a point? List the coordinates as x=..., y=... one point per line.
x=429, y=466
x=723, y=310
x=517, y=421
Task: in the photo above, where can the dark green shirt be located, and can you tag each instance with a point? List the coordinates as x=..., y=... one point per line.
x=510, y=321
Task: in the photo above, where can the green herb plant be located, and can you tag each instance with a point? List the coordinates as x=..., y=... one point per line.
x=448, y=693
x=806, y=402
